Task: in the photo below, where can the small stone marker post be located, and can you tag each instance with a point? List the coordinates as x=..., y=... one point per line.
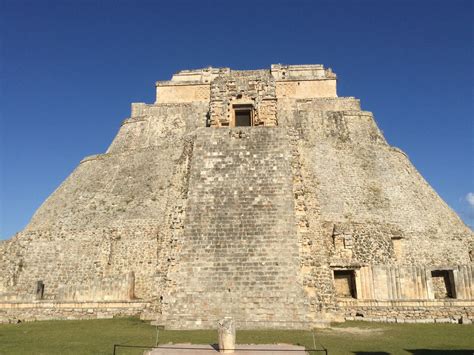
x=226, y=333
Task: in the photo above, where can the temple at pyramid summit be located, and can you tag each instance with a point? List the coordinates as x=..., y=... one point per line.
x=255, y=194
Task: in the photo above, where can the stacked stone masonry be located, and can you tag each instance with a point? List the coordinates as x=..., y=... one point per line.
x=254, y=194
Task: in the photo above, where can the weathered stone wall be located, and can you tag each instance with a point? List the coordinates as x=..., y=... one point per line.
x=159, y=125
x=413, y=311
x=303, y=81
x=302, y=72
x=179, y=93
x=113, y=213
x=357, y=187
x=103, y=289
x=188, y=86
x=305, y=89
x=79, y=257
x=12, y=312
x=393, y=282
x=361, y=202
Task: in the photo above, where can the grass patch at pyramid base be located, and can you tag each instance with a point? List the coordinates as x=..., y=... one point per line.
x=99, y=337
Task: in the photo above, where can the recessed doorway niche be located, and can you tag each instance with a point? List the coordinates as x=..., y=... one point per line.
x=344, y=283
x=443, y=283
x=243, y=115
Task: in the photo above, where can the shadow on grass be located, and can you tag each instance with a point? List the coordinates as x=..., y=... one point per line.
x=420, y=352
x=440, y=352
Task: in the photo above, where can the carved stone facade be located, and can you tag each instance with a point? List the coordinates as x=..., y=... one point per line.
x=255, y=194
x=227, y=89
x=255, y=89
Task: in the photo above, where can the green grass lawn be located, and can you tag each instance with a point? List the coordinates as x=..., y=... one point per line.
x=99, y=336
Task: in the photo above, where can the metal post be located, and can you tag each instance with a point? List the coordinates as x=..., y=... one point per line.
x=157, y=334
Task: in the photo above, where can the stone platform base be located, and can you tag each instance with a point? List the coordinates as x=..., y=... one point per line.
x=13, y=312
x=249, y=349
x=186, y=324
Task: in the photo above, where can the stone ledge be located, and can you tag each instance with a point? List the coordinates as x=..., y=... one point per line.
x=102, y=156
x=310, y=99
x=409, y=321
x=405, y=303
x=162, y=83
x=398, y=150
x=76, y=305
x=349, y=113
x=134, y=119
x=289, y=80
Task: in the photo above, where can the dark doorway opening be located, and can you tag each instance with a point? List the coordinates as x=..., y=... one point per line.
x=344, y=283
x=243, y=115
x=443, y=283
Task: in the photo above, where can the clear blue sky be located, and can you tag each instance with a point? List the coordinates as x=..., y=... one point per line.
x=70, y=69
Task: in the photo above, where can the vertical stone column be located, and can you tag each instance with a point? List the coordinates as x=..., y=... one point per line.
x=130, y=279
x=226, y=333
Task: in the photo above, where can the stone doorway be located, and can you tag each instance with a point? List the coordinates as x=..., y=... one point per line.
x=443, y=285
x=243, y=115
x=344, y=283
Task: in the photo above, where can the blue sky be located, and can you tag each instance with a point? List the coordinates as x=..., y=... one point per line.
x=70, y=69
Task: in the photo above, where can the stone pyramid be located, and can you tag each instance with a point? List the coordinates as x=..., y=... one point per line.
x=257, y=194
